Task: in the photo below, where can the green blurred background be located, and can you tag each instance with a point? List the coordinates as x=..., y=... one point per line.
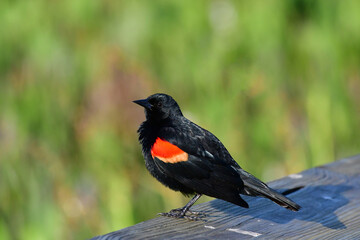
x=277, y=81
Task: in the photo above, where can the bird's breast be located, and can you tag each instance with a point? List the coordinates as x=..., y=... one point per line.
x=168, y=152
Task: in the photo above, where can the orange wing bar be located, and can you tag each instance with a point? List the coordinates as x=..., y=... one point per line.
x=167, y=152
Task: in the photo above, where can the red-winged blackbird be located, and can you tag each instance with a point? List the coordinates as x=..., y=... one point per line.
x=190, y=159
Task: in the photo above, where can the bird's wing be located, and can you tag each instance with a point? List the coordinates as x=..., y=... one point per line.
x=198, y=160
x=198, y=142
x=185, y=156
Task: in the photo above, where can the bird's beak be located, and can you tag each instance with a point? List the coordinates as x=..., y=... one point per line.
x=144, y=103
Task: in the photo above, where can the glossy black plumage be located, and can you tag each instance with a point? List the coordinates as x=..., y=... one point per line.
x=209, y=169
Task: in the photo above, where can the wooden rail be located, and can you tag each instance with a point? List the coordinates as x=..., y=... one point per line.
x=329, y=196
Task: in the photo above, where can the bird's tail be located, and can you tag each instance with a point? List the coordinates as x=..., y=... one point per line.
x=255, y=187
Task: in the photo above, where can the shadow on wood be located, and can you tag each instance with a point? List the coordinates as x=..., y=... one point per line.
x=329, y=196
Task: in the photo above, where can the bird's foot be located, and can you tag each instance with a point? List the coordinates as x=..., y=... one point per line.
x=182, y=213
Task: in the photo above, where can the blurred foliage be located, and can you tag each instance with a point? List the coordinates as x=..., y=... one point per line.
x=277, y=81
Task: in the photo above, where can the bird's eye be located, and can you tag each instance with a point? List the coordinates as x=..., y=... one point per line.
x=159, y=104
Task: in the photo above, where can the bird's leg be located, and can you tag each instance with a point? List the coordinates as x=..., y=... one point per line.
x=186, y=208
x=181, y=212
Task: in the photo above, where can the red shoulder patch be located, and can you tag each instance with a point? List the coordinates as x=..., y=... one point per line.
x=168, y=152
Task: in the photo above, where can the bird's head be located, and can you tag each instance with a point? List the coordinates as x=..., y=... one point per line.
x=159, y=107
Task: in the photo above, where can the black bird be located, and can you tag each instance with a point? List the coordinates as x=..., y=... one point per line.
x=187, y=158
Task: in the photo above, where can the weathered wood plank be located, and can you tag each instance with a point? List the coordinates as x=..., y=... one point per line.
x=330, y=200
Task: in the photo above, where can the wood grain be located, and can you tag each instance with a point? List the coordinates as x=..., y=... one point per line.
x=330, y=200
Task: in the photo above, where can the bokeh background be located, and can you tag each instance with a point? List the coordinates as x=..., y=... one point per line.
x=277, y=81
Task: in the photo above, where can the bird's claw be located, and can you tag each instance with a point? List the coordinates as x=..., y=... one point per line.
x=181, y=211
x=189, y=215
